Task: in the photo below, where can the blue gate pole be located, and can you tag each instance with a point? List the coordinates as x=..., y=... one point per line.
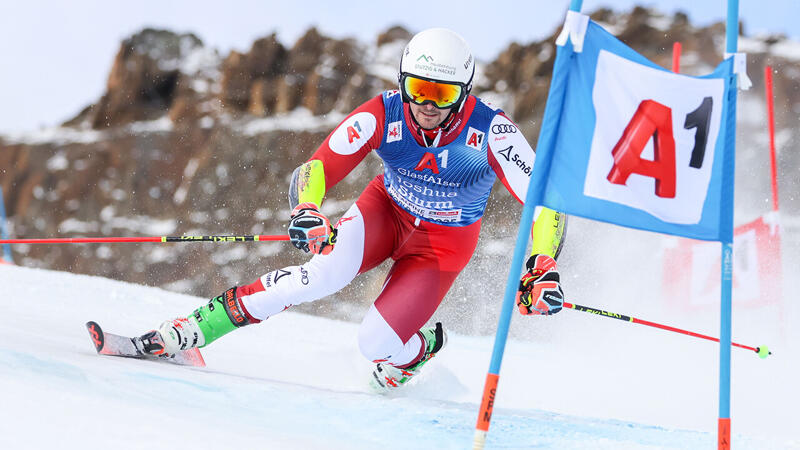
x=724, y=425
x=726, y=275
x=492, y=378
x=3, y=230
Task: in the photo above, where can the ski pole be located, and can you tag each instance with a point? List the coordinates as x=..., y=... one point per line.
x=249, y=238
x=761, y=351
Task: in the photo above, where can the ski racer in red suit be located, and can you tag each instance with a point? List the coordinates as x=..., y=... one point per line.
x=442, y=150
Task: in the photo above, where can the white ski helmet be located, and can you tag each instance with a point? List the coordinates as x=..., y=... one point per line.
x=439, y=55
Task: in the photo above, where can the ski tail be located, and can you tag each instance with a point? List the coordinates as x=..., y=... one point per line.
x=193, y=357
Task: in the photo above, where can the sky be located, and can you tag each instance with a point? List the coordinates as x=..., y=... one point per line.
x=55, y=56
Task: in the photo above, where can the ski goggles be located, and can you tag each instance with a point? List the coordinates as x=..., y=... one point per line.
x=421, y=91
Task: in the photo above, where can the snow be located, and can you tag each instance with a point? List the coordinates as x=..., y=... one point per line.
x=188, y=174
x=58, y=162
x=299, y=119
x=787, y=49
x=299, y=382
x=661, y=23
x=73, y=225
x=60, y=135
x=56, y=135
x=384, y=60
x=201, y=60
x=160, y=125
x=751, y=45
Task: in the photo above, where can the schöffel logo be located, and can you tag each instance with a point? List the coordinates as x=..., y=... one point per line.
x=425, y=58
x=516, y=159
x=280, y=273
x=501, y=128
x=506, y=152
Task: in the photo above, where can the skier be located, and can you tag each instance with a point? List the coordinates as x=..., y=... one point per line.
x=442, y=150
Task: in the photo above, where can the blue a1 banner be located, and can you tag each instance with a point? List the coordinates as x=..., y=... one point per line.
x=627, y=142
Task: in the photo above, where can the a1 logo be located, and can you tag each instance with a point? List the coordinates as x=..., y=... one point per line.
x=475, y=138
x=353, y=133
x=654, y=120
x=654, y=139
x=428, y=161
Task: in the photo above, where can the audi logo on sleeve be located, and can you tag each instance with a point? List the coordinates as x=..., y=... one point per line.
x=502, y=128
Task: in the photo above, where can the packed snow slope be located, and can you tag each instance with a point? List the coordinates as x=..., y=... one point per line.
x=298, y=382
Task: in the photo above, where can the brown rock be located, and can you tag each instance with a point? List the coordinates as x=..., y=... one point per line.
x=143, y=78
x=394, y=33
x=235, y=82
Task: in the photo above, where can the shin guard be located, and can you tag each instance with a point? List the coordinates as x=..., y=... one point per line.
x=221, y=315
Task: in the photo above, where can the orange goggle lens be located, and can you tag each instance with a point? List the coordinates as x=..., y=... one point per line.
x=443, y=95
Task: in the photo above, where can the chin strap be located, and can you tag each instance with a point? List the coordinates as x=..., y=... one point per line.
x=430, y=136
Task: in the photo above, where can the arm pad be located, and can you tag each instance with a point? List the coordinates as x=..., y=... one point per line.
x=307, y=184
x=548, y=232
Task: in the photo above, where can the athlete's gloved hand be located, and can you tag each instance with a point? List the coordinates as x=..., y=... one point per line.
x=540, y=287
x=310, y=230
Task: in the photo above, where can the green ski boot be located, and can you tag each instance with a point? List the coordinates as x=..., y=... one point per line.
x=220, y=316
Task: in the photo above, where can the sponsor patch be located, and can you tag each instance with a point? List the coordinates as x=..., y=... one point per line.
x=280, y=273
x=441, y=211
x=506, y=152
x=510, y=155
x=475, y=138
x=503, y=128
x=395, y=132
x=353, y=133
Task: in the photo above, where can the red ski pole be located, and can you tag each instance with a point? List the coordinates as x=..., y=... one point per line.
x=771, y=128
x=90, y=240
x=761, y=351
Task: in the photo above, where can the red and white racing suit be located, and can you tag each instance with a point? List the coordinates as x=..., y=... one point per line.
x=423, y=212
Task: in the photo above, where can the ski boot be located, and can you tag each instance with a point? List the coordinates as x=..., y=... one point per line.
x=206, y=324
x=150, y=343
x=171, y=337
x=386, y=377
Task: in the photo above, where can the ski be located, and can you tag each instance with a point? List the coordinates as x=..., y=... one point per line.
x=116, y=345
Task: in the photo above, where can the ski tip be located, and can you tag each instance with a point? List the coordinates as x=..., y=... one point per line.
x=96, y=333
